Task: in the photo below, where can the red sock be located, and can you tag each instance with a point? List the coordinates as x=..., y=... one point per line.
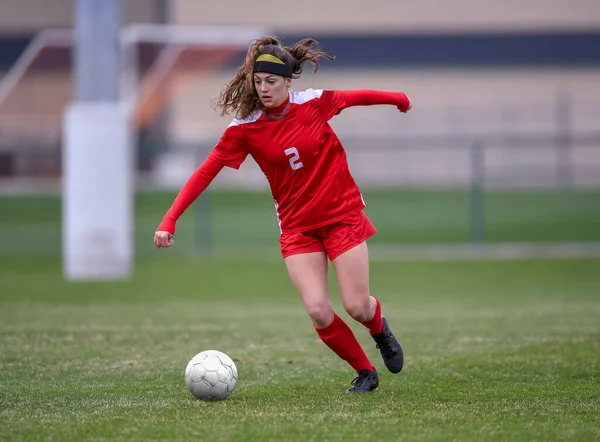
x=375, y=324
x=339, y=338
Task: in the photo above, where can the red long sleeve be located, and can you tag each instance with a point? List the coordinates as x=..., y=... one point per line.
x=364, y=97
x=191, y=190
x=334, y=101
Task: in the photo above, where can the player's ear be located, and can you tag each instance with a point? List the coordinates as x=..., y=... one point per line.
x=288, y=83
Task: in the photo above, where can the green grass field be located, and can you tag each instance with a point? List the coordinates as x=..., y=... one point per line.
x=496, y=351
x=225, y=221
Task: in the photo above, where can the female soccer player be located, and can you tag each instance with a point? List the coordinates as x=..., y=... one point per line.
x=318, y=204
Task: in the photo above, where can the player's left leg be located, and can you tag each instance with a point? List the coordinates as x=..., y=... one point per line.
x=306, y=262
x=352, y=270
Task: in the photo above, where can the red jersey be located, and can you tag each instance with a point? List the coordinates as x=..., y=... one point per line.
x=301, y=156
x=299, y=153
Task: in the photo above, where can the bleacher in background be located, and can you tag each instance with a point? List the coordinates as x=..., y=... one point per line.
x=506, y=96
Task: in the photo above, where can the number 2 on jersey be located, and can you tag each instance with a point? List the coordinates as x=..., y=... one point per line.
x=294, y=159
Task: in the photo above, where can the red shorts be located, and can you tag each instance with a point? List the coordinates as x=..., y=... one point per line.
x=334, y=239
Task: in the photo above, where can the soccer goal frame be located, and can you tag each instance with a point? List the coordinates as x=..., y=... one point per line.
x=98, y=221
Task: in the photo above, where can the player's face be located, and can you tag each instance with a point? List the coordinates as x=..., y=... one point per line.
x=272, y=89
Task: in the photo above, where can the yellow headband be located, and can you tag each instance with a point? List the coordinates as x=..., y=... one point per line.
x=270, y=64
x=269, y=57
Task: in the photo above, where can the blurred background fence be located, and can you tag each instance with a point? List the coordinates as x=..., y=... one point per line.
x=482, y=190
x=502, y=145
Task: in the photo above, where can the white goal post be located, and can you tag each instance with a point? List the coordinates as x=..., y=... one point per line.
x=175, y=37
x=98, y=151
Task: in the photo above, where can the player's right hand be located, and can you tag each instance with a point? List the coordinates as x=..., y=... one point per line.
x=163, y=239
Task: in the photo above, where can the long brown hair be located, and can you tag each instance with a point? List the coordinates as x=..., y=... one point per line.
x=240, y=97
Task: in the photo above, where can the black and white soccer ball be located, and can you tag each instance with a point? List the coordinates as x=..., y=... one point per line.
x=211, y=375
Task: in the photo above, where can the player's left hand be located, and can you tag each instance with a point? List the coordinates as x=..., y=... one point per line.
x=408, y=108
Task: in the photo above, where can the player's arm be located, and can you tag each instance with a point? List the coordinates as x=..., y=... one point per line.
x=228, y=152
x=335, y=101
x=191, y=190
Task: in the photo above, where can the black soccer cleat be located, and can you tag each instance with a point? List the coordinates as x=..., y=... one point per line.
x=390, y=348
x=367, y=380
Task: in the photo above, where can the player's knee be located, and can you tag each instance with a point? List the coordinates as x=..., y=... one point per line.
x=358, y=309
x=321, y=314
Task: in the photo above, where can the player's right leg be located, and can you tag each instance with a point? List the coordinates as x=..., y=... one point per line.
x=308, y=273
